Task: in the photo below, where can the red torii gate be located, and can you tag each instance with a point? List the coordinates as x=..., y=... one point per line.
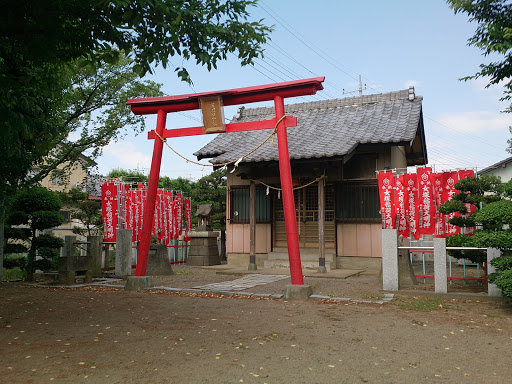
x=211, y=104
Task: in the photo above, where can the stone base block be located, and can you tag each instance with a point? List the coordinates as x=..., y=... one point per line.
x=298, y=292
x=372, y=265
x=203, y=260
x=70, y=277
x=158, y=261
x=138, y=283
x=242, y=260
x=67, y=277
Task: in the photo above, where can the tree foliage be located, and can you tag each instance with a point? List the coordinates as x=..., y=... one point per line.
x=494, y=225
x=49, y=51
x=493, y=36
x=84, y=213
x=151, y=32
x=37, y=209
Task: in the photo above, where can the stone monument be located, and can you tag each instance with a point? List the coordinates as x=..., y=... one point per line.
x=203, y=240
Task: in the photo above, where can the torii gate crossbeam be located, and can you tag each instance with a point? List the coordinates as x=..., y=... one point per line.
x=277, y=92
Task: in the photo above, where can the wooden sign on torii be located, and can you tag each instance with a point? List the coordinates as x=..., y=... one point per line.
x=211, y=104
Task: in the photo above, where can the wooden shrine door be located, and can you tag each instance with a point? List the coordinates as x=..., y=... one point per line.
x=306, y=205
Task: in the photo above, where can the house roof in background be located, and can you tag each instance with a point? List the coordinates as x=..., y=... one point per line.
x=499, y=164
x=327, y=128
x=93, y=186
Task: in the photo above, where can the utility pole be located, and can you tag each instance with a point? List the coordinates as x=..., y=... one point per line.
x=361, y=89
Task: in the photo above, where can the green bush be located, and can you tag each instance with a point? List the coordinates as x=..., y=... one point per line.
x=11, y=262
x=13, y=274
x=502, y=263
x=46, y=265
x=503, y=280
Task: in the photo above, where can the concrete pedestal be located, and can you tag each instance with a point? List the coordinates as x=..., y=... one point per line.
x=158, y=261
x=123, y=253
x=440, y=275
x=297, y=292
x=138, y=283
x=203, y=248
x=492, y=289
x=94, y=252
x=390, y=281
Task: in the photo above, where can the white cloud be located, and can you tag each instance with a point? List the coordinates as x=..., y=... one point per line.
x=477, y=121
x=125, y=155
x=411, y=83
x=482, y=82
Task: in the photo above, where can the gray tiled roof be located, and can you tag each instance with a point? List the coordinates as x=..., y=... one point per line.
x=327, y=128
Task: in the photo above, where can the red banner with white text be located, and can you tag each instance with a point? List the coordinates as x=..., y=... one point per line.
x=387, y=199
x=411, y=202
x=109, y=211
x=188, y=216
x=124, y=207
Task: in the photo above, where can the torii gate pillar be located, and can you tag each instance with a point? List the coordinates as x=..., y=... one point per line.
x=277, y=92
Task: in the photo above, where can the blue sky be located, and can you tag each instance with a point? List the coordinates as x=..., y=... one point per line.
x=392, y=44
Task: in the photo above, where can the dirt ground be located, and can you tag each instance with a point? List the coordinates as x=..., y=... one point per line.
x=108, y=335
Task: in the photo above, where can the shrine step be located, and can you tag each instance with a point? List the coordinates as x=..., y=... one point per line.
x=309, y=259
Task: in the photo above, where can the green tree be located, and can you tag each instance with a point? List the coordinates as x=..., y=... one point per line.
x=186, y=186
x=90, y=113
x=493, y=220
x=132, y=177
x=40, y=40
x=493, y=37
x=211, y=189
x=37, y=209
x=86, y=212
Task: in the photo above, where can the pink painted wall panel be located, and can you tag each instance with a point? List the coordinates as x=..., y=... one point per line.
x=237, y=233
x=238, y=238
x=359, y=240
x=349, y=239
x=363, y=240
x=376, y=240
x=263, y=236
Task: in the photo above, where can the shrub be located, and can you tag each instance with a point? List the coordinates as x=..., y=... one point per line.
x=503, y=280
x=13, y=274
x=12, y=261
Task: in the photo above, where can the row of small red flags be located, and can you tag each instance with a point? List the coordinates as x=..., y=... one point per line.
x=123, y=207
x=410, y=202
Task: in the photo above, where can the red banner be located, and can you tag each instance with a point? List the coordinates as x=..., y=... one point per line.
x=179, y=213
x=138, y=213
x=168, y=219
x=188, y=216
x=449, y=180
x=426, y=208
x=175, y=234
x=411, y=202
x=167, y=216
x=437, y=188
x=403, y=227
x=386, y=195
x=109, y=211
x=411, y=199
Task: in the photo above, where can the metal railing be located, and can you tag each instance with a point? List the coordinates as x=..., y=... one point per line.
x=450, y=277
